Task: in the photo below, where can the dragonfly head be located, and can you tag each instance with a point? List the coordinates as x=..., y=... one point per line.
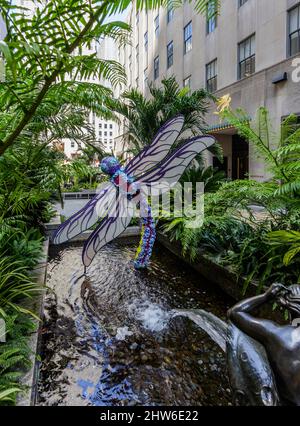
x=110, y=165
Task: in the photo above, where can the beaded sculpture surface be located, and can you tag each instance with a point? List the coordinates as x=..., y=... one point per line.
x=127, y=191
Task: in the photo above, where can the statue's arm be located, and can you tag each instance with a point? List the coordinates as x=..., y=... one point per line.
x=259, y=329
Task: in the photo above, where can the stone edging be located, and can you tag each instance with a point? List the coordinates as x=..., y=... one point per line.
x=213, y=272
x=29, y=379
x=216, y=274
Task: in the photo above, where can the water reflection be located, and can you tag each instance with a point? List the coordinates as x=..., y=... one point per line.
x=111, y=338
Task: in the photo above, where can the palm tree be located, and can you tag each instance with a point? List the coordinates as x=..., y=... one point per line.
x=144, y=117
x=43, y=51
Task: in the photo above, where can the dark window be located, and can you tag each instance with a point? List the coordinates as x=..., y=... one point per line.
x=170, y=13
x=188, y=37
x=146, y=41
x=170, y=54
x=240, y=158
x=211, y=18
x=187, y=82
x=156, y=25
x=156, y=67
x=247, y=57
x=221, y=165
x=294, y=31
x=145, y=77
x=212, y=76
x=242, y=2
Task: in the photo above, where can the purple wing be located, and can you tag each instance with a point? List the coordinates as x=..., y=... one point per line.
x=169, y=171
x=159, y=148
x=115, y=222
x=87, y=216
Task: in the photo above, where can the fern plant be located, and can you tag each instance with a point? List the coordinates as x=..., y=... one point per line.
x=289, y=239
x=14, y=356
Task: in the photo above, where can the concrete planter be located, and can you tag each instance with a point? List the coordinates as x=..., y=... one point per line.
x=37, y=304
x=212, y=271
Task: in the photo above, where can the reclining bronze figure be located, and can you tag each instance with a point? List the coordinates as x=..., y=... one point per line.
x=263, y=356
x=281, y=343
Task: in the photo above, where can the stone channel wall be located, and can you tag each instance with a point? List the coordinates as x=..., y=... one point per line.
x=213, y=272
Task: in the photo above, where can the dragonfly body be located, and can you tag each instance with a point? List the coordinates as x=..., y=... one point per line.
x=156, y=165
x=124, y=182
x=126, y=185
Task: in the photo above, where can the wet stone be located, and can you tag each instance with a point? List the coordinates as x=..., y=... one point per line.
x=160, y=360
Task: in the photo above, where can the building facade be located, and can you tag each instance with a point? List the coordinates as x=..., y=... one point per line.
x=106, y=131
x=249, y=50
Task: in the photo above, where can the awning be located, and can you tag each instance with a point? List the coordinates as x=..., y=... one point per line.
x=224, y=126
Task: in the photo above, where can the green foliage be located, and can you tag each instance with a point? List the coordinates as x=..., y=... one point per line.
x=46, y=96
x=42, y=51
x=144, y=116
x=288, y=239
x=14, y=355
x=280, y=153
x=262, y=247
x=211, y=177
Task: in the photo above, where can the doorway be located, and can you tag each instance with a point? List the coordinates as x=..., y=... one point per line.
x=240, y=158
x=222, y=166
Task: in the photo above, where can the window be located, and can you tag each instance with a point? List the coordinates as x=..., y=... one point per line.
x=137, y=59
x=211, y=76
x=72, y=144
x=156, y=67
x=110, y=126
x=294, y=31
x=105, y=125
x=105, y=133
x=187, y=82
x=100, y=133
x=170, y=13
x=211, y=16
x=188, y=37
x=146, y=41
x=247, y=57
x=170, y=54
x=110, y=133
x=242, y=2
x=156, y=25
x=145, y=78
x=100, y=125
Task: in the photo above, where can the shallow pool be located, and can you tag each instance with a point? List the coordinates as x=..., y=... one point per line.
x=110, y=338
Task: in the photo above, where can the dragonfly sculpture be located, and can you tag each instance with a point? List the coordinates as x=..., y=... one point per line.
x=157, y=165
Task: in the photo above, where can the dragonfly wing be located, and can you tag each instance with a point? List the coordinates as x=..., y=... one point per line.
x=115, y=222
x=159, y=148
x=169, y=171
x=87, y=216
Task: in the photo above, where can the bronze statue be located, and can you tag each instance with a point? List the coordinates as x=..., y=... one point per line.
x=263, y=357
x=281, y=344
